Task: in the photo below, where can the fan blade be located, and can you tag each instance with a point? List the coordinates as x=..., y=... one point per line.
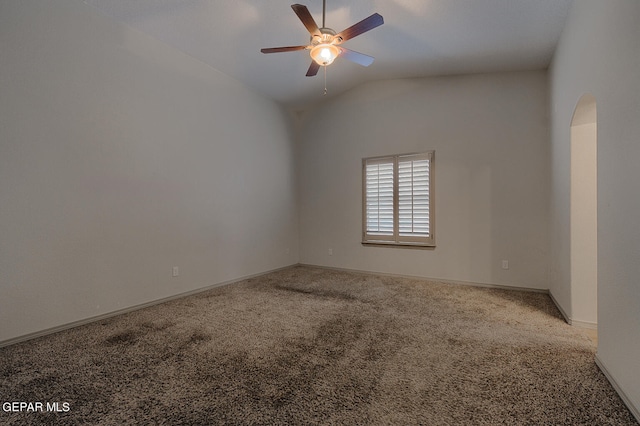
x=306, y=18
x=282, y=49
x=357, y=57
x=363, y=26
x=313, y=69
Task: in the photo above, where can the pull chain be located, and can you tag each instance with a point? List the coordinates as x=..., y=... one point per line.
x=325, y=80
x=324, y=6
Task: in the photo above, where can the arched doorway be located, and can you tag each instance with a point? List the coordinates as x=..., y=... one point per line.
x=584, y=214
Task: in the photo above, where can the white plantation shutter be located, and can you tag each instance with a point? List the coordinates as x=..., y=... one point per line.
x=413, y=196
x=379, y=197
x=398, y=200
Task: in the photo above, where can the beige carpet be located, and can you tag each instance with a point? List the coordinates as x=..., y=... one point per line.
x=313, y=346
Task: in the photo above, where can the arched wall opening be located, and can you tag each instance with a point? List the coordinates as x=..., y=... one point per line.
x=584, y=214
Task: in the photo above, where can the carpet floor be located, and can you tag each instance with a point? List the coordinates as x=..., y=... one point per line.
x=315, y=346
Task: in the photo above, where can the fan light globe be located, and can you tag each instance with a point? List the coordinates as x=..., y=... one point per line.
x=324, y=54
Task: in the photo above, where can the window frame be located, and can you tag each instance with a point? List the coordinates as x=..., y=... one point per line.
x=396, y=239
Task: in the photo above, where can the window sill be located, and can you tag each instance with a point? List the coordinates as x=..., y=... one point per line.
x=423, y=246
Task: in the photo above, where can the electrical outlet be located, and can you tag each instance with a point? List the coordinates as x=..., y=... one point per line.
x=330, y=252
x=176, y=271
x=505, y=264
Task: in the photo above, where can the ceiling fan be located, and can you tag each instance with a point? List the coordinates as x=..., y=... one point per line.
x=324, y=45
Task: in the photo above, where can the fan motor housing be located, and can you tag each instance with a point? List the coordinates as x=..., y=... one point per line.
x=327, y=36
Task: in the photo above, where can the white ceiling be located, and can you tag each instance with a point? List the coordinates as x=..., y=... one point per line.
x=419, y=38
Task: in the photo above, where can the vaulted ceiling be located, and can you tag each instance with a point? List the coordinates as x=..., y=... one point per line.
x=419, y=38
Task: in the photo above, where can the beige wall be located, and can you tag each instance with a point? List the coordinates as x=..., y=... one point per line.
x=599, y=54
x=490, y=136
x=584, y=224
x=121, y=158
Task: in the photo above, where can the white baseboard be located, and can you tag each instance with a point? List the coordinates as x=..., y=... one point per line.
x=627, y=401
x=576, y=323
x=440, y=280
x=559, y=306
x=584, y=324
x=101, y=317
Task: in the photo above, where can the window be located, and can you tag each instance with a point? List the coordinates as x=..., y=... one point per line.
x=397, y=200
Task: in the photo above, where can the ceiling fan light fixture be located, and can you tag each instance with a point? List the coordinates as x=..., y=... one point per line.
x=323, y=43
x=324, y=54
